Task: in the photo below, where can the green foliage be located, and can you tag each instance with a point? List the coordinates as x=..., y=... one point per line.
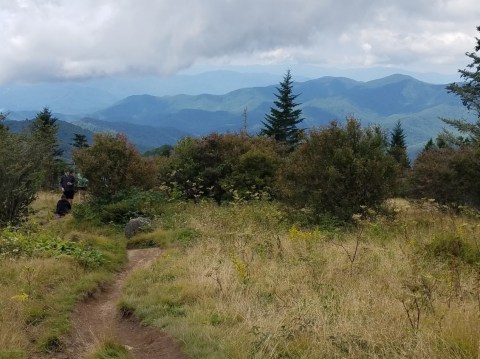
x=21, y=174
x=44, y=129
x=222, y=167
x=111, y=164
x=79, y=141
x=448, y=247
x=15, y=243
x=112, y=350
x=281, y=124
x=448, y=170
x=164, y=150
x=448, y=175
x=338, y=171
x=469, y=90
x=397, y=146
x=121, y=207
x=469, y=93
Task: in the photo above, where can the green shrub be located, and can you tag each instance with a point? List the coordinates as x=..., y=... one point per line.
x=338, y=171
x=447, y=247
x=449, y=175
x=111, y=164
x=21, y=174
x=222, y=167
x=122, y=207
x=15, y=244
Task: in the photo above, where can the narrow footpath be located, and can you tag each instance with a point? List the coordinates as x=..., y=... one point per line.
x=97, y=319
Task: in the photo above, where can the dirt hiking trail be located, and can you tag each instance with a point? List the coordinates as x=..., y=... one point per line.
x=97, y=319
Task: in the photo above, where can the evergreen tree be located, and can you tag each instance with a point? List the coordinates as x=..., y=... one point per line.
x=3, y=117
x=469, y=93
x=397, y=147
x=429, y=145
x=79, y=141
x=282, y=122
x=44, y=130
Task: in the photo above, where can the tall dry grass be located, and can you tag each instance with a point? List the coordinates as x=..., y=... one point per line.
x=254, y=286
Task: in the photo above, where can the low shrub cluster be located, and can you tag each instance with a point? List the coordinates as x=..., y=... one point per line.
x=17, y=244
x=121, y=207
x=448, y=174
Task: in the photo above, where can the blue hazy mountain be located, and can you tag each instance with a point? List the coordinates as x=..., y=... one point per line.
x=151, y=120
x=418, y=105
x=84, y=97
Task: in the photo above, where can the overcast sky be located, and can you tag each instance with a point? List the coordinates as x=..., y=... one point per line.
x=58, y=39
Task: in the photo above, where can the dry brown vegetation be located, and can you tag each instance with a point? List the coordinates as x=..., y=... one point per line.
x=252, y=286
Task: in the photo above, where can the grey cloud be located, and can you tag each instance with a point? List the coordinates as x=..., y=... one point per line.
x=42, y=39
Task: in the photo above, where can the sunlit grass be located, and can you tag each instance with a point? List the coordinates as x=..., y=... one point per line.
x=254, y=286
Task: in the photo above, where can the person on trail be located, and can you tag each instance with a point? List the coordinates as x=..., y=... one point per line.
x=67, y=182
x=63, y=207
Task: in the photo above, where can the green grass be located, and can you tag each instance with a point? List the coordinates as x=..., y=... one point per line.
x=111, y=350
x=45, y=268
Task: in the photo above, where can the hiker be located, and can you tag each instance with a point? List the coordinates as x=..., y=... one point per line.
x=67, y=182
x=63, y=206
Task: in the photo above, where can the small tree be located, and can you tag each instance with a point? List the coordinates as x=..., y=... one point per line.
x=397, y=146
x=337, y=171
x=44, y=129
x=20, y=174
x=79, y=141
x=282, y=122
x=111, y=164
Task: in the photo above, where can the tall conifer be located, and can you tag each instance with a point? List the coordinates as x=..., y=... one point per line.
x=283, y=120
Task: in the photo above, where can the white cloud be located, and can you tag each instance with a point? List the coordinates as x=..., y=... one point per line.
x=55, y=39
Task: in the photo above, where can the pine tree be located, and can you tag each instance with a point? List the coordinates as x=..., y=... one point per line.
x=397, y=147
x=44, y=130
x=282, y=122
x=429, y=145
x=469, y=93
x=79, y=141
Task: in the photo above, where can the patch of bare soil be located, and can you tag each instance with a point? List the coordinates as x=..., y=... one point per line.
x=97, y=319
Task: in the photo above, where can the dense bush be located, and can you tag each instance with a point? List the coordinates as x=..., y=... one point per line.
x=21, y=173
x=121, y=207
x=337, y=171
x=448, y=175
x=222, y=167
x=111, y=164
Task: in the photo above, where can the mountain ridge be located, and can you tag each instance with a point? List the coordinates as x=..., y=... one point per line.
x=417, y=104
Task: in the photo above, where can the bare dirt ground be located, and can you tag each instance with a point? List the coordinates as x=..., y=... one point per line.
x=97, y=319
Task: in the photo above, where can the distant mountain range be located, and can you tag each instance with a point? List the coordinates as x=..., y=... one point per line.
x=150, y=121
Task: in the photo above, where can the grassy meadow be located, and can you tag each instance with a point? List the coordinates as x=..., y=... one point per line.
x=243, y=281
x=249, y=284
x=45, y=268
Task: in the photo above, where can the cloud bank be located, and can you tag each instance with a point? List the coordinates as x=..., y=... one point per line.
x=68, y=39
